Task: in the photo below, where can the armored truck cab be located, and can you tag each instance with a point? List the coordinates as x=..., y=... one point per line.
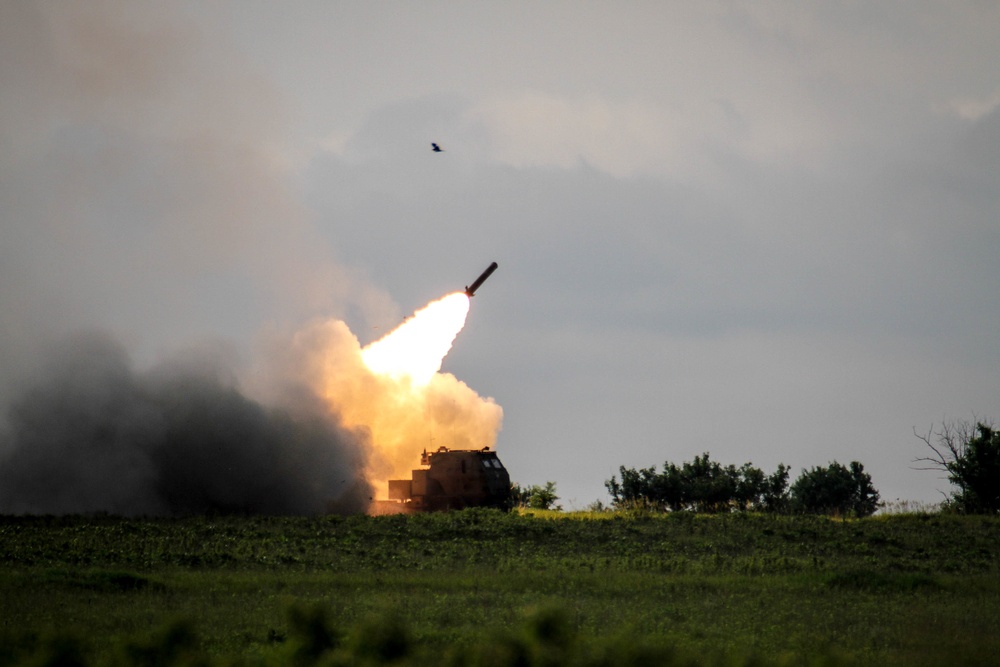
x=453, y=479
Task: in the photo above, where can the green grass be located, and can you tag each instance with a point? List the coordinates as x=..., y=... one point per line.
x=482, y=587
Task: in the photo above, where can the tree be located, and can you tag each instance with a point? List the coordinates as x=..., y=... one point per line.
x=701, y=485
x=971, y=457
x=774, y=495
x=710, y=486
x=835, y=489
x=536, y=497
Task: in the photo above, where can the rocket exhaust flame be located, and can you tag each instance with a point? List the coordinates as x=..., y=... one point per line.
x=416, y=348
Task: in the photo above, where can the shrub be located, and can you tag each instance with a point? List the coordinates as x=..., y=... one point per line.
x=701, y=485
x=835, y=489
x=536, y=497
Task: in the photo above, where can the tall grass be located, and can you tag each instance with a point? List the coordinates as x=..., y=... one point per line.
x=470, y=585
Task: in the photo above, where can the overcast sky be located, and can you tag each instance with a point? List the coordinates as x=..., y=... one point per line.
x=769, y=231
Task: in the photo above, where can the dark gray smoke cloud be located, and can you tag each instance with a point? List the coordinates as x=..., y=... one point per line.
x=143, y=192
x=92, y=434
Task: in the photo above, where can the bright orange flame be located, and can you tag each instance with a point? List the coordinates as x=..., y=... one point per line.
x=393, y=389
x=416, y=348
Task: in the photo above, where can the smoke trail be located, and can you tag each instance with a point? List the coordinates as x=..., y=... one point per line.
x=92, y=434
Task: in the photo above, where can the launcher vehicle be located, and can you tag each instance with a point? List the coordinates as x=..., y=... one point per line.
x=453, y=479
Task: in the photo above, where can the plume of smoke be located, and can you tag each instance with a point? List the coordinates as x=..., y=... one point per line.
x=145, y=189
x=147, y=186
x=324, y=359
x=93, y=434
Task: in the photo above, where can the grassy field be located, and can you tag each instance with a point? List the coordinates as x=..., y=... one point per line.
x=486, y=588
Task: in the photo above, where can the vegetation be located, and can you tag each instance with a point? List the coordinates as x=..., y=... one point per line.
x=484, y=587
x=536, y=497
x=702, y=485
x=836, y=490
x=971, y=457
x=706, y=486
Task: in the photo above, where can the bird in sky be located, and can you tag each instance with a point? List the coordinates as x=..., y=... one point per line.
x=436, y=148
